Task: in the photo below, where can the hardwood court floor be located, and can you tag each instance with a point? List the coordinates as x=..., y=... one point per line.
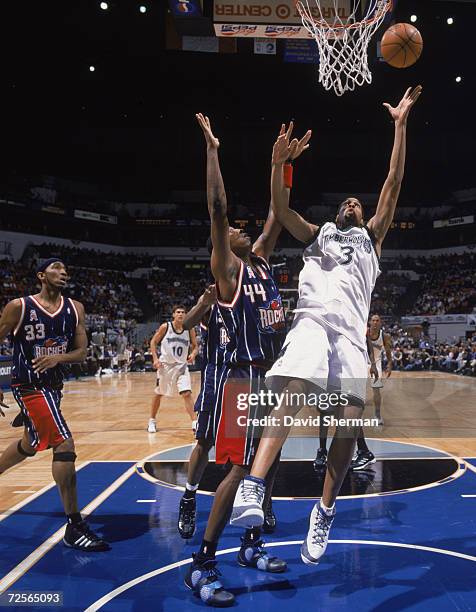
x=108, y=418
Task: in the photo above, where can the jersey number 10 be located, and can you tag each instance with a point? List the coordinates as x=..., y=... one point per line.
x=177, y=351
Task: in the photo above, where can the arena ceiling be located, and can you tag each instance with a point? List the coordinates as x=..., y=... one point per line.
x=130, y=123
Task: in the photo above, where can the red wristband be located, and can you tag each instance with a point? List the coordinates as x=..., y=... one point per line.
x=288, y=175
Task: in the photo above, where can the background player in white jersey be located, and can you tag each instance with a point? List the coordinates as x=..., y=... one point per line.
x=326, y=346
x=377, y=341
x=178, y=349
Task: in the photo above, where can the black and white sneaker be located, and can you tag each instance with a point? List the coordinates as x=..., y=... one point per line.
x=269, y=524
x=320, y=462
x=82, y=537
x=187, y=517
x=362, y=460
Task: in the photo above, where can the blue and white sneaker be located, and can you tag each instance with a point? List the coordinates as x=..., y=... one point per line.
x=254, y=555
x=248, y=505
x=314, y=546
x=202, y=579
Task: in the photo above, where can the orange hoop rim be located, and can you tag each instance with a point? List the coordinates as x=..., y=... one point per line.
x=324, y=25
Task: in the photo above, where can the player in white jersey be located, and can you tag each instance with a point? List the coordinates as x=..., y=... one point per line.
x=178, y=349
x=377, y=341
x=326, y=347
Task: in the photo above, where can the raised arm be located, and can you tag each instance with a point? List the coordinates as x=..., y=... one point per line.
x=204, y=303
x=266, y=242
x=283, y=151
x=387, y=203
x=76, y=355
x=156, y=340
x=225, y=265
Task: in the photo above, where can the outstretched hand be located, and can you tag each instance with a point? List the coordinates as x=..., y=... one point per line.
x=285, y=148
x=400, y=113
x=204, y=123
x=209, y=296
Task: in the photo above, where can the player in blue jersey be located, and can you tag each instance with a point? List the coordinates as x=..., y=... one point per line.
x=215, y=354
x=217, y=349
x=47, y=332
x=251, y=309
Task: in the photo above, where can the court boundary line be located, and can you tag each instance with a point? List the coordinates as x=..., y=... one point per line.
x=29, y=561
x=98, y=604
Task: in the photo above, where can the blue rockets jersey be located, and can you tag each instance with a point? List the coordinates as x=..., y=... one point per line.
x=38, y=334
x=255, y=316
x=217, y=347
x=217, y=350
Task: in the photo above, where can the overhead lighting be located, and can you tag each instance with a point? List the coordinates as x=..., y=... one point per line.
x=143, y=9
x=104, y=6
x=459, y=79
x=413, y=18
x=450, y=21
x=92, y=68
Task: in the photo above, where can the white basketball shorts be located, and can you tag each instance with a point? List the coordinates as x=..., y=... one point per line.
x=326, y=359
x=377, y=384
x=173, y=377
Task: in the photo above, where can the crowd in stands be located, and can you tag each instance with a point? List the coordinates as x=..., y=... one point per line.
x=16, y=279
x=175, y=285
x=103, y=292
x=419, y=352
x=443, y=284
x=448, y=285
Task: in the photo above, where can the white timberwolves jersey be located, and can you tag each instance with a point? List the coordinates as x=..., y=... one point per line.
x=174, y=346
x=377, y=347
x=337, y=280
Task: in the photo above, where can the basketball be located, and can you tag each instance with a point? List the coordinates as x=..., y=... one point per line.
x=402, y=45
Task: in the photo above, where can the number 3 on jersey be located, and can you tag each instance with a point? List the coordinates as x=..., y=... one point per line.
x=348, y=252
x=252, y=290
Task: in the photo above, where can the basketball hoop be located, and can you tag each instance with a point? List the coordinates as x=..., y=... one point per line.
x=343, y=39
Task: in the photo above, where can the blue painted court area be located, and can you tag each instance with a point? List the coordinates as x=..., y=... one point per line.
x=408, y=551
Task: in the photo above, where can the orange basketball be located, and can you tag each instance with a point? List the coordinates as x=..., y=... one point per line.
x=402, y=45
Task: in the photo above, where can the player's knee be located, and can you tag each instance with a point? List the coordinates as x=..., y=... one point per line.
x=186, y=394
x=25, y=450
x=351, y=414
x=297, y=386
x=204, y=445
x=65, y=456
x=65, y=452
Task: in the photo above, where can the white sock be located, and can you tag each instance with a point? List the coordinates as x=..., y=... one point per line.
x=190, y=487
x=328, y=511
x=151, y=420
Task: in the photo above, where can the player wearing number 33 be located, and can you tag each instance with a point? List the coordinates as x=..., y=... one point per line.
x=47, y=332
x=325, y=350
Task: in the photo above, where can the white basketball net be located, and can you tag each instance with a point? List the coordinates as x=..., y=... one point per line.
x=343, y=41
